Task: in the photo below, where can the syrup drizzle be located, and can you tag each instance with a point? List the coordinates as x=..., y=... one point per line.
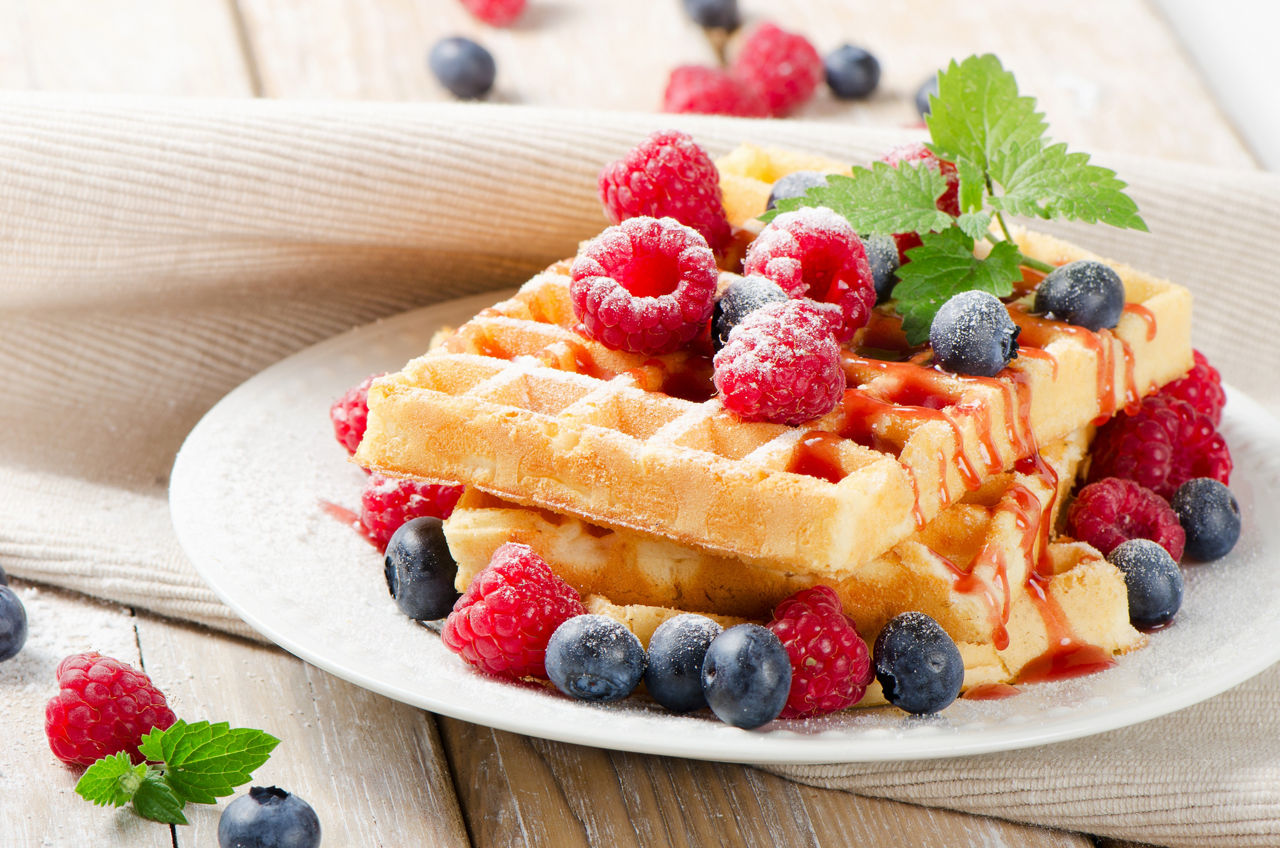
x=1066, y=656
x=991, y=692
x=818, y=455
x=1146, y=315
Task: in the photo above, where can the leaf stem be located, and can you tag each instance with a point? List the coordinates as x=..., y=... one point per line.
x=1023, y=259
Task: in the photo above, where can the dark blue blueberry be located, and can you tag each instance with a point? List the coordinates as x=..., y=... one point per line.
x=1085, y=293
x=882, y=255
x=852, y=73
x=676, y=651
x=973, y=334
x=463, y=67
x=742, y=297
x=714, y=14
x=268, y=818
x=595, y=658
x=927, y=89
x=420, y=571
x=917, y=663
x=1153, y=580
x=746, y=676
x=795, y=184
x=13, y=624
x=1209, y=514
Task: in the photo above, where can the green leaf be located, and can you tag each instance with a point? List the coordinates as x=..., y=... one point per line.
x=978, y=114
x=155, y=800
x=204, y=761
x=879, y=199
x=974, y=224
x=973, y=186
x=1049, y=182
x=111, y=780
x=943, y=266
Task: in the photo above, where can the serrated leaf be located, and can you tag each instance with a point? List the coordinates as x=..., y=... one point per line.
x=978, y=113
x=973, y=186
x=943, y=266
x=879, y=199
x=1049, y=182
x=111, y=780
x=203, y=761
x=974, y=224
x=155, y=800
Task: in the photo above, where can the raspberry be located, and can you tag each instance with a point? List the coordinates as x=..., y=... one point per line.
x=387, y=502
x=1163, y=445
x=350, y=414
x=711, y=91
x=830, y=664
x=781, y=364
x=102, y=707
x=783, y=65
x=949, y=200
x=495, y=12
x=667, y=175
x=647, y=285
x=1115, y=510
x=502, y=623
x=1202, y=388
x=813, y=252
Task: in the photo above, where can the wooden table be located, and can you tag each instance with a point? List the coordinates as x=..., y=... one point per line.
x=1110, y=75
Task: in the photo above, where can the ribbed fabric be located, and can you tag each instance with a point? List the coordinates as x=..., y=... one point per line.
x=155, y=253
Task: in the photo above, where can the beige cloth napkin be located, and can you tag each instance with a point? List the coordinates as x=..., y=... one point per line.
x=153, y=254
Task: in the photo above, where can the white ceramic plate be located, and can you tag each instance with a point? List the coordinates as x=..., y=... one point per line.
x=248, y=494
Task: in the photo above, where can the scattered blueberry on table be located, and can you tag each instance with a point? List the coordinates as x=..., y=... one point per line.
x=463, y=66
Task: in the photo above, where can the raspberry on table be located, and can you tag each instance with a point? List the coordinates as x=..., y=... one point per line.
x=350, y=414
x=1162, y=445
x=647, y=285
x=1114, y=510
x=815, y=253
x=388, y=502
x=667, y=176
x=830, y=664
x=103, y=707
x=785, y=67
x=495, y=12
x=1202, y=388
x=703, y=90
x=918, y=154
x=781, y=364
x=503, y=622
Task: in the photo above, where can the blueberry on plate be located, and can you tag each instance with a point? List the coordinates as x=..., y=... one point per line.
x=746, y=676
x=852, y=72
x=882, y=256
x=917, y=663
x=595, y=658
x=463, y=67
x=1153, y=580
x=419, y=569
x=927, y=89
x=676, y=651
x=13, y=624
x=268, y=817
x=714, y=14
x=1210, y=515
x=739, y=299
x=794, y=184
x=1086, y=293
x=973, y=334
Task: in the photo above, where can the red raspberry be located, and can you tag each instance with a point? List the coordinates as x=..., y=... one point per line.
x=783, y=65
x=1163, y=445
x=350, y=414
x=814, y=253
x=495, y=12
x=1114, y=510
x=711, y=91
x=949, y=200
x=830, y=664
x=387, y=502
x=502, y=623
x=1202, y=388
x=647, y=285
x=667, y=176
x=102, y=707
x=781, y=364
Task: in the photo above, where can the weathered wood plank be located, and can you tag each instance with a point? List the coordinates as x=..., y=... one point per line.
x=373, y=769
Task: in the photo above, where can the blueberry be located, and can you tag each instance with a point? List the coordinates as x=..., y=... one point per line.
x=13, y=624
x=973, y=334
x=420, y=571
x=742, y=297
x=714, y=14
x=4, y=578
x=917, y=663
x=1153, y=580
x=882, y=255
x=795, y=184
x=927, y=89
x=676, y=651
x=1085, y=293
x=1209, y=514
x=852, y=73
x=595, y=658
x=268, y=818
x=746, y=676
x=462, y=66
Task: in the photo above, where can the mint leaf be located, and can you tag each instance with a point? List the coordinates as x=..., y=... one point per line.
x=1049, y=182
x=879, y=199
x=203, y=761
x=974, y=224
x=111, y=780
x=944, y=266
x=978, y=113
x=973, y=186
x=155, y=800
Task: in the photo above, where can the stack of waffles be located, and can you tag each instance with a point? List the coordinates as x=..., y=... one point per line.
x=923, y=490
